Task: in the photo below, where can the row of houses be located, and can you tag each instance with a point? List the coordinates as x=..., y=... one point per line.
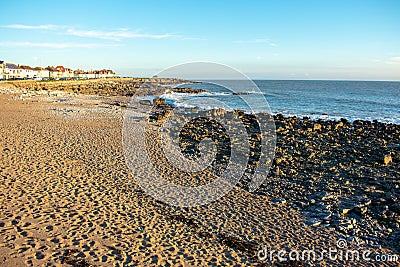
x=10, y=71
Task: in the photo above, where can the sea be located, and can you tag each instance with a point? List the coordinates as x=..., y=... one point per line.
x=327, y=100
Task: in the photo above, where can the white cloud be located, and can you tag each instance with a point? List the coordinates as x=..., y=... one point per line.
x=33, y=27
x=116, y=35
x=393, y=60
x=55, y=45
x=256, y=41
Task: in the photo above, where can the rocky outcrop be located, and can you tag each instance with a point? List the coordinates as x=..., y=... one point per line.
x=187, y=90
x=340, y=175
x=103, y=87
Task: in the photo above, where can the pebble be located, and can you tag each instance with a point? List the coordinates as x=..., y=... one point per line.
x=387, y=159
x=313, y=222
x=279, y=200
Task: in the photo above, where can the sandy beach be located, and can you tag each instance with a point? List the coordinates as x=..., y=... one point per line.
x=67, y=197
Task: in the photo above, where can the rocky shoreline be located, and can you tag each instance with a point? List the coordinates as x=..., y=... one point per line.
x=102, y=87
x=341, y=177
x=338, y=175
x=187, y=90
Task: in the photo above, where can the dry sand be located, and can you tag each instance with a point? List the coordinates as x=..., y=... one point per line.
x=67, y=199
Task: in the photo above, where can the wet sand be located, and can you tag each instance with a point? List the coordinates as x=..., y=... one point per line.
x=67, y=199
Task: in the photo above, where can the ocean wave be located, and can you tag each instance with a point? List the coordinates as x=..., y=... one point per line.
x=312, y=115
x=326, y=117
x=328, y=101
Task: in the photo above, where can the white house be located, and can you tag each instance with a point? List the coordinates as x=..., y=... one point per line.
x=14, y=71
x=53, y=73
x=80, y=74
x=41, y=73
x=27, y=72
x=69, y=73
x=91, y=75
x=44, y=74
x=3, y=74
x=104, y=73
x=64, y=73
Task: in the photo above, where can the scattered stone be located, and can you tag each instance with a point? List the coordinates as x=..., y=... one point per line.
x=387, y=159
x=312, y=222
x=145, y=102
x=319, y=195
x=279, y=200
x=360, y=210
x=345, y=211
x=39, y=255
x=338, y=125
x=317, y=126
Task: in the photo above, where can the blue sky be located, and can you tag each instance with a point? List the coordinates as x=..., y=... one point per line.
x=350, y=40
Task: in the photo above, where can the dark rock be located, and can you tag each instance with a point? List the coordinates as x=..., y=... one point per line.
x=313, y=221
x=279, y=200
x=145, y=102
x=187, y=90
